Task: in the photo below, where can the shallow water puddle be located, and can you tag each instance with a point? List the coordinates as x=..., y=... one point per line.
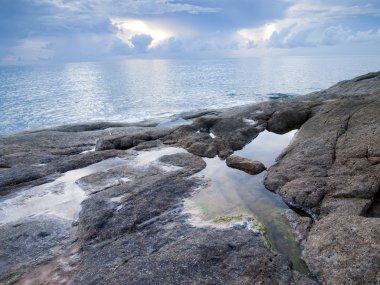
x=61, y=198
x=233, y=193
x=149, y=158
x=88, y=151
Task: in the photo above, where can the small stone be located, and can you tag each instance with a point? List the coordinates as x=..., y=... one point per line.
x=247, y=165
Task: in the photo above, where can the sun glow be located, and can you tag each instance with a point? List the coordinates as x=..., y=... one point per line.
x=258, y=35
x=128, y=28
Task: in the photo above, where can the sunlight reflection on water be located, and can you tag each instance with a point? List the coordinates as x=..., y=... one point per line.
x=60, y=198
x=133, y=90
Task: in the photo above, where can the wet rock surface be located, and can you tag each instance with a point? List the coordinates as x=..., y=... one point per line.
x=330, y=171
x=32, y=157
x=145, y=239
x=247, y=165
x=132, y=228
x=27, y=244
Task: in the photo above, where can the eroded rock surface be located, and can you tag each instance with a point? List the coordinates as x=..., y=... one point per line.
x=144, y=239
x=31, y=158
x=344, y=249
x=131, y=228
x=331, y=171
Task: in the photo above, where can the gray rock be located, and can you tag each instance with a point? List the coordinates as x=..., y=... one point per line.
x=330, y=170
x=131, y=140
x=307, y=192
x=190, y=163
x=287, y=119
x=300, y=225
x=27, y=244
x=344, y=249
x=145, y=239
x=344, y=206
x=361, y=85
x=247, y=165
x=134, y=230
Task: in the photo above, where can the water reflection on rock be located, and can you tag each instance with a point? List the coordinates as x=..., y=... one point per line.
x=230, y=192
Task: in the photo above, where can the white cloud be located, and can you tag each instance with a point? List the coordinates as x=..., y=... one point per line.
x=146, y=7
x=62, y=4
x=128, y=29
x=309, y=24
x=363, y=36
x=328, y=10
x=93, y=29
x=258, y=35
x=162, y=7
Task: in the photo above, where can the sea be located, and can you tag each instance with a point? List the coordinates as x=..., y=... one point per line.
x=132, y=90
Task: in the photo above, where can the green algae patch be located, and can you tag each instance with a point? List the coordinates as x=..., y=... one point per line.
x=228, y=219
x=261, y=228
x=253, y=224
x=235, y=197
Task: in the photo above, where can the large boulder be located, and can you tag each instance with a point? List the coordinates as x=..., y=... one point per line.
x=331, y=172
x=345, y=250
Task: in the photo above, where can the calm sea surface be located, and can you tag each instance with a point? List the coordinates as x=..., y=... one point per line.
x=133, y=90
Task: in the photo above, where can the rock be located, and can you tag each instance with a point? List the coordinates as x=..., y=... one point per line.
x=283, y=121
x=29, y=242
x=148, y=145
x=177, y=256
x=247, y=165
x=135, y=231
x=344, y=249
x=131, y=140
x=103, y=144
x=329, y=171
x=306, y=192
x=203, y=149
x=361, y=85
x=331, y=146
x=132, y=228
x=300, y=225
x=191, y=163
x=145, y=238
x=355, y=186
x=226, y=126
x=344, y=206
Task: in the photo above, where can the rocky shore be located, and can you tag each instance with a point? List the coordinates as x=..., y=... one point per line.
x=127, y=225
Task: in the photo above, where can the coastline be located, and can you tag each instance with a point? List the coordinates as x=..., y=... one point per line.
x=330, y=172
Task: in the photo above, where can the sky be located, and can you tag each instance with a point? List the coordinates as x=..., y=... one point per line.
x=78, y=30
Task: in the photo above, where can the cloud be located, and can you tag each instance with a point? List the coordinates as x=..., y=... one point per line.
x=314, y=24
x=127, y=29
x=141, y=42
x=140, y=7
x=363, y=36
x=330, y=9
x=93, y=29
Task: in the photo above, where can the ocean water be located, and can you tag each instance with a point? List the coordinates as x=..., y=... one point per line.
x=37, y=96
